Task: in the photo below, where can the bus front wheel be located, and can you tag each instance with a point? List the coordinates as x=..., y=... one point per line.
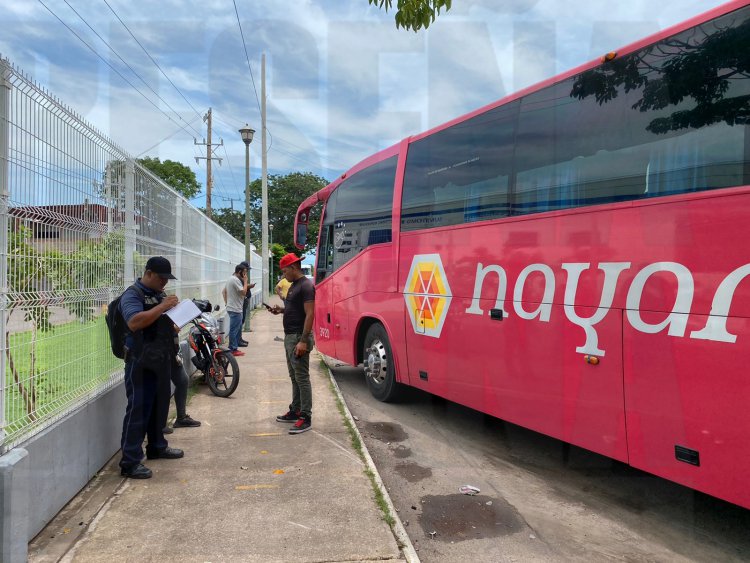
x=380, y=370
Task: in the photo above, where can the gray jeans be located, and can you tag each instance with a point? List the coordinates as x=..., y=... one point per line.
x=299, y=373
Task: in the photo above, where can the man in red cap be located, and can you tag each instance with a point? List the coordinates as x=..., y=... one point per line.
x=299, y=312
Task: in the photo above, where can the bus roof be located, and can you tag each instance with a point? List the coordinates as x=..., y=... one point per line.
x=632, y=47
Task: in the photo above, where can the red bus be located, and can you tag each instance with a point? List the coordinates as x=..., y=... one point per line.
x=572, y=258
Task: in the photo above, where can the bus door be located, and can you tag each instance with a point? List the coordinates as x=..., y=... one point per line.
x=324, y=334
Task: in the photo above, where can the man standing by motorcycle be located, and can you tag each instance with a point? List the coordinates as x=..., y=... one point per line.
x=149, y=359
x=234, y=297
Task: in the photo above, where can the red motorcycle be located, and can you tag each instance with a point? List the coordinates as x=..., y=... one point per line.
x=219, y=368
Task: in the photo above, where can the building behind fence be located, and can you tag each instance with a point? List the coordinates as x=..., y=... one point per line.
x=79, y=217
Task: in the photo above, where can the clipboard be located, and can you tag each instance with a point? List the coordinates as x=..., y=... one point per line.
x=183, y=313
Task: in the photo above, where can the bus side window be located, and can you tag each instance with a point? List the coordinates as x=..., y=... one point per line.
x=325, y=259
x=363, y=211
x=325, y=240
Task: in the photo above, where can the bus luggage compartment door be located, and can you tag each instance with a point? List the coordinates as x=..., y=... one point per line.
x=529, y=372
x=540, y=377
x=687, y=406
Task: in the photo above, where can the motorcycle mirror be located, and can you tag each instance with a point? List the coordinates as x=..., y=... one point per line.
x=216, y=308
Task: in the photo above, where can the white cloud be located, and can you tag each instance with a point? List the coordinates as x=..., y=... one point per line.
x=342, y=81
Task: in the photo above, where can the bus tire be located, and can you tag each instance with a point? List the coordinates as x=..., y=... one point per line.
x=380, y=370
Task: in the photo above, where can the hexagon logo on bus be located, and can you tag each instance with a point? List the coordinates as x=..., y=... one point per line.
x=427, y=294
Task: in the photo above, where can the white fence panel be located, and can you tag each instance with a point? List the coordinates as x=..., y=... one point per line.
x=79, y=217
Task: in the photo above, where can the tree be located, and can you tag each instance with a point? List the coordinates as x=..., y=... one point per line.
x=231, y=221
x=79, y=281
x=277, y=251
x=88, y=268
x=285, y=193
x=707, y=71
x=153, y=204
x=414, y=14
x=26, y=273
x=175, y=174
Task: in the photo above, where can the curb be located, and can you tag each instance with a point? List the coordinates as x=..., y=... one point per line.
x=398, y=528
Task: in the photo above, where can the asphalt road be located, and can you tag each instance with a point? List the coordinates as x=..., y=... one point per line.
x=539, y=499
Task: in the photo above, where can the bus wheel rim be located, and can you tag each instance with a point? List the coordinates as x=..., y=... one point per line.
x=376, y=363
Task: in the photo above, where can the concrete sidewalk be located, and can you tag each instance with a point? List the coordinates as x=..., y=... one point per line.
x=246, y=490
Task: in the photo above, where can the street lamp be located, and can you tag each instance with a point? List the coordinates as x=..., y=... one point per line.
x=270, y=235
x=247, y=136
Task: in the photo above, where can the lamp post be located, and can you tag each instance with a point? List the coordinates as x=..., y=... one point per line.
x=247, y=136
x=270, y=235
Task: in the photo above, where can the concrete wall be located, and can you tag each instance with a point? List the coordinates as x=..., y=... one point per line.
x=39, y=479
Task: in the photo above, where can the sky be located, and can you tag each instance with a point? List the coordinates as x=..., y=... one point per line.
x=341, y=81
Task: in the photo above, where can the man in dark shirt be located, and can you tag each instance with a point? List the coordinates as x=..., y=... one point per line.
x=149, y=358
x=246, y=306
x=299, y=312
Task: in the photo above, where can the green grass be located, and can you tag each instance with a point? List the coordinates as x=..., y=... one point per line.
x=69, y=361
x=357, y=445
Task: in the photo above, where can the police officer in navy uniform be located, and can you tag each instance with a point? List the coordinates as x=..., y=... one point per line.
x=149, y=359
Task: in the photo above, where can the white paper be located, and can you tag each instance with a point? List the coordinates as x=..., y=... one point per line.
x=183, y=313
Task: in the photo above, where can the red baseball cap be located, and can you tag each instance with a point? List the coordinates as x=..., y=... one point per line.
x=289, y=259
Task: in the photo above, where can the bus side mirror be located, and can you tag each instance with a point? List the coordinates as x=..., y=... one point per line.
x=301, y=235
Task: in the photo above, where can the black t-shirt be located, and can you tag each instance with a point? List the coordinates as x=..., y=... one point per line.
x=300, y=292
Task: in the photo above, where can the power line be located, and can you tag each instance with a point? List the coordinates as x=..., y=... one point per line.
x=221, y=182
x=247, y=57
x=231, y=168
x=239, y=121
x=307, y=150
x=231, y=171
x=299, y=158
x=152, y=58
x=294, y=156
x=105, y=61
x=164, y=139
x=196, y=155
x=127, y=65
x=231, y=201
x=209, y=158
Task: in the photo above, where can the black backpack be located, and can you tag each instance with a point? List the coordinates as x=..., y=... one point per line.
x=116, y=324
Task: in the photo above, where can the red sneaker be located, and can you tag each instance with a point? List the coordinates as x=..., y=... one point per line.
x=290, y=416
x=303, y=424
x=237, y=353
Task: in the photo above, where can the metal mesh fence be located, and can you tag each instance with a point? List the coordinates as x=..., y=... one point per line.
x=79, y=217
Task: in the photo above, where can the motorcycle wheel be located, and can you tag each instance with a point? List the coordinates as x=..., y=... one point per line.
x=224, y=375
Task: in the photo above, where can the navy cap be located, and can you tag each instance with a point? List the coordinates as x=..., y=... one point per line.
x=244, y=264
x=161, y=267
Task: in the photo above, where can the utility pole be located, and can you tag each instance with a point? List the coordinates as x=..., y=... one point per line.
x=208, y=158
x=247, y=138
x=209, y=153
x=264, y=174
